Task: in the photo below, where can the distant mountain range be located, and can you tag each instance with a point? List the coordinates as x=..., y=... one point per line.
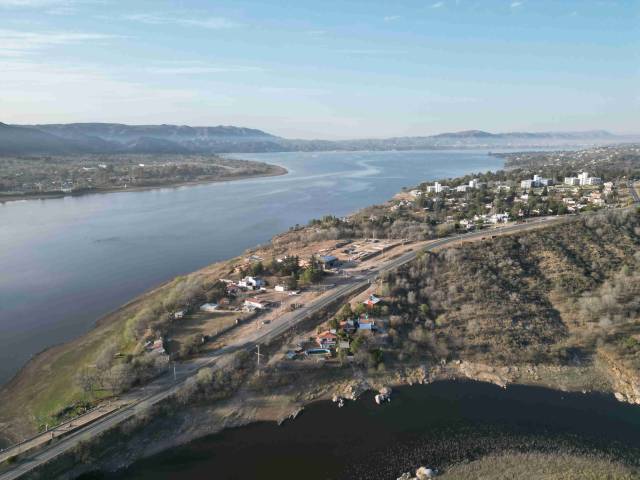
x=76, y=138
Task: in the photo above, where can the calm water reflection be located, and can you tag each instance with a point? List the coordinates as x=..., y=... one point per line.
x=65, y=262
x=433, y=425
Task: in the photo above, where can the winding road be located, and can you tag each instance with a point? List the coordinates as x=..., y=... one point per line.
x=167, y=384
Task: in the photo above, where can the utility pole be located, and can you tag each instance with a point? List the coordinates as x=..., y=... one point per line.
x=174, y=371
x=259, y=355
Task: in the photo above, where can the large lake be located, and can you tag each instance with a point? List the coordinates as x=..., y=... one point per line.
x=66, y=262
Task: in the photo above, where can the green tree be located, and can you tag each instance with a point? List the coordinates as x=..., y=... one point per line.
x=345, y=313
x=311, y=274
x=257, y=269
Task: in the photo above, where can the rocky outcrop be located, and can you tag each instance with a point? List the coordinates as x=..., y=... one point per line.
x=626, y=382
x=423, y=473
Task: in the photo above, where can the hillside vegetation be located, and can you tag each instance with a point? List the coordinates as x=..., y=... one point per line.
x=559, y=295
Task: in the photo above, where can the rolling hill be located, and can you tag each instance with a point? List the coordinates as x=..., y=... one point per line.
x=180, y=139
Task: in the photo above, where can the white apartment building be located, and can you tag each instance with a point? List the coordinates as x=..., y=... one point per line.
x=437, y=188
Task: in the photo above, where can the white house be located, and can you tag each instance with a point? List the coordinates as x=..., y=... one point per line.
x=366, y=324
x=372, y=301
x=499, y=218
x=474, y=183
x=608, y=188
x=209, y=307
x=252, y=283
x=256, y=303
x=468, y=224
x=281, y=288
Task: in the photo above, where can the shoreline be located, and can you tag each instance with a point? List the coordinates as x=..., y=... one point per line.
x=277, y=407
x=487, y=373
x=277, y=171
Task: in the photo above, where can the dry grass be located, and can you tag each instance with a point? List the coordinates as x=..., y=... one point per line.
x=540, y=466
x=201, y=323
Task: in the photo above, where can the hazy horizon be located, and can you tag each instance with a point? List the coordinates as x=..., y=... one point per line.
x=342, y=70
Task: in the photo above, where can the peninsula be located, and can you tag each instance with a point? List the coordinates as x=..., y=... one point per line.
x=47, y=176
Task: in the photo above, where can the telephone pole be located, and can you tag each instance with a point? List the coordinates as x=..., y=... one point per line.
x=259, y=355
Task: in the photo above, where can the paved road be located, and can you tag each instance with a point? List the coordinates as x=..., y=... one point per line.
x=165, y=386
x=634, y=193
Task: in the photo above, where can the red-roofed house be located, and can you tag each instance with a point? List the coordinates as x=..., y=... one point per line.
x=372, y=301
x=327, y=339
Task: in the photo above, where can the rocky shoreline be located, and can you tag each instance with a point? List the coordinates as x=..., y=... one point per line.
x=245, y=407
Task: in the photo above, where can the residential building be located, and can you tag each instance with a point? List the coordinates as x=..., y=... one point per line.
x=499, y=218
x=157, y=346
x=372, y=301
x=366, y=324
x=348, y=326
x=582, y=178
x=256, y=304
x=252, y=283
x=326, y=339
x=585, y=179
x=209, y=307
x=573, y=181
x=437, y=188
x=593, y=181
x=608, y=188
x=328, y=261
x=536, y=181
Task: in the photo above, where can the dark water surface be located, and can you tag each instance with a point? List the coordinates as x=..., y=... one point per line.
x=433, y=425
x=66, y=262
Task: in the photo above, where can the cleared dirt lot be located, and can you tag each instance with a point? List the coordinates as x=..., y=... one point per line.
x=204, y=323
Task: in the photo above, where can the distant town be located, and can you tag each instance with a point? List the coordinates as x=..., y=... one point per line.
x=29, y=176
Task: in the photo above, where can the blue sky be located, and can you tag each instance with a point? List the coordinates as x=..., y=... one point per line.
x=324, y=69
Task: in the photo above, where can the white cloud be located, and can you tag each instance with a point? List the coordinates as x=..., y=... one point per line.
x=15, y=43
x=213, y=23
x=54, y=7
x=365, y=51
x=437, y=5
x=298, y=91
x=516, y=4
x=196, y=68
x=47, y=91
x=391, y=18
x=29, y=3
